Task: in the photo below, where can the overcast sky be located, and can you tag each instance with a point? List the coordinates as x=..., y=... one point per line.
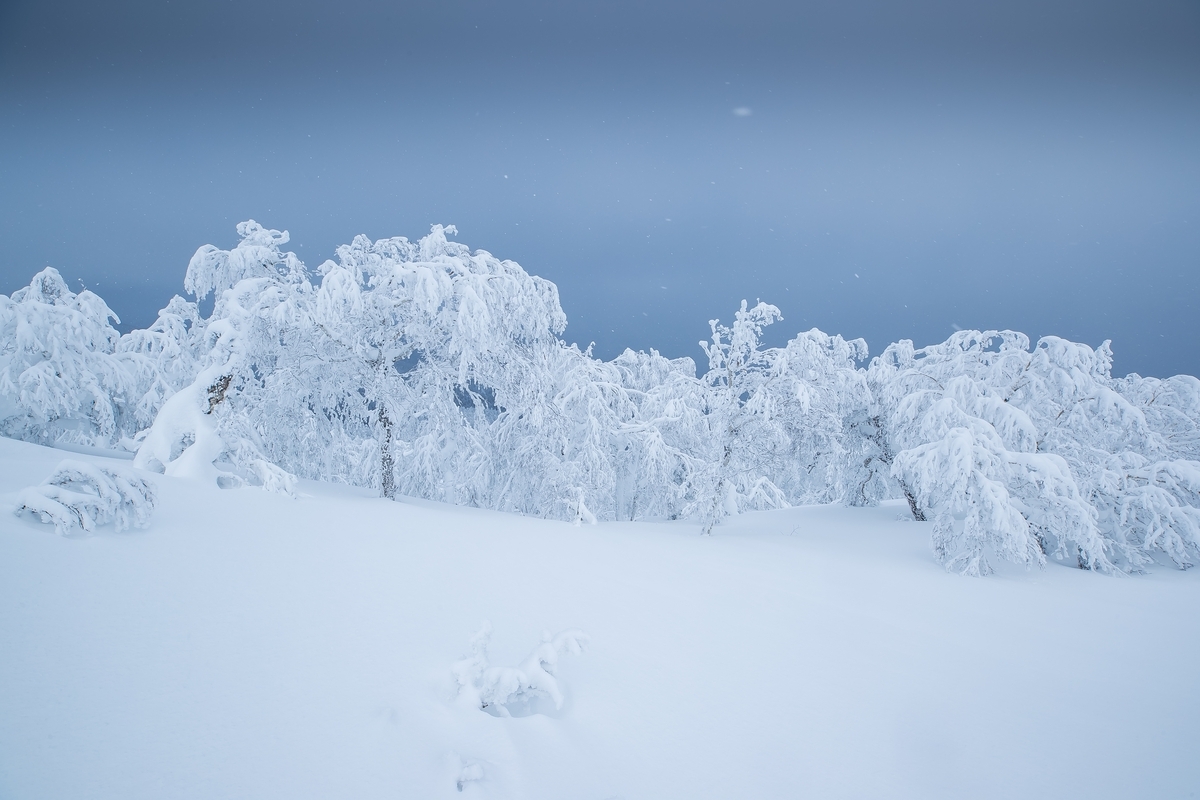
x=879, y=169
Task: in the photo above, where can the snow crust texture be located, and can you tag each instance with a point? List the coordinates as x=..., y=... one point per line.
x=428, y=370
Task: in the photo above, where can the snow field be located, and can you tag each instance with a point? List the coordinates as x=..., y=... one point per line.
x=248, y=645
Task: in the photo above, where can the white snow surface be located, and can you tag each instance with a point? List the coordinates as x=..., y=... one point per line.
x=252, y=645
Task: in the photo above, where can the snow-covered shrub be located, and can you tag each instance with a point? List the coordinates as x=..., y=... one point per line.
x=79, y=496
x=519, y=690
x=60, y=377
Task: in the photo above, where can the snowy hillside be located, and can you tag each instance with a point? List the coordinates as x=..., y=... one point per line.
x=251, y=645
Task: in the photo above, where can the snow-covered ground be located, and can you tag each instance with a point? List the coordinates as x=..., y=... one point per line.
x=247, y=645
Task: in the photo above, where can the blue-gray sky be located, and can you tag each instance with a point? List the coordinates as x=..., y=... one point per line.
x=876, y=169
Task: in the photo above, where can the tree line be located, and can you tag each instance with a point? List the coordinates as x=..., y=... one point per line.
x=425, y=369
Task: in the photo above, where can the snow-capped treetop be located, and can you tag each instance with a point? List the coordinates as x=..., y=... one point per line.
x=256, y=255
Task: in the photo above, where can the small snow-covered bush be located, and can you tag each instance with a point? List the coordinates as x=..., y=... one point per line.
x=79, y=496
x=515, y=691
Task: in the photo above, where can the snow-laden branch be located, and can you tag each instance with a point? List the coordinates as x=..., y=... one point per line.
x=78, y=497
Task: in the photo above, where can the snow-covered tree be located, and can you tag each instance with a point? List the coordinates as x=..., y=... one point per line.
x=452, y=352
x=1135, y=472
x=968, y=458
x=247, y=399
x=425, y=368
x=1095, y=481
x=749, y=388
x=825, y=388
x=661, y=448
x=60, y=377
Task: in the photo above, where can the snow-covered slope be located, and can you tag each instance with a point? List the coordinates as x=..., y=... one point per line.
x=247, y=645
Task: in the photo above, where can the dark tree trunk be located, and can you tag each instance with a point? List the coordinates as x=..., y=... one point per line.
x=387, y=463
x=917, y=513
x=216, y=392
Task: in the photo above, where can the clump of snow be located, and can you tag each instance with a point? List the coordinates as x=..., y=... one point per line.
x=183, y=441
x=519, y=690
x=80, y=496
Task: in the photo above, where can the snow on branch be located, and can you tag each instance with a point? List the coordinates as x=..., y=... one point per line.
x=79, y=496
